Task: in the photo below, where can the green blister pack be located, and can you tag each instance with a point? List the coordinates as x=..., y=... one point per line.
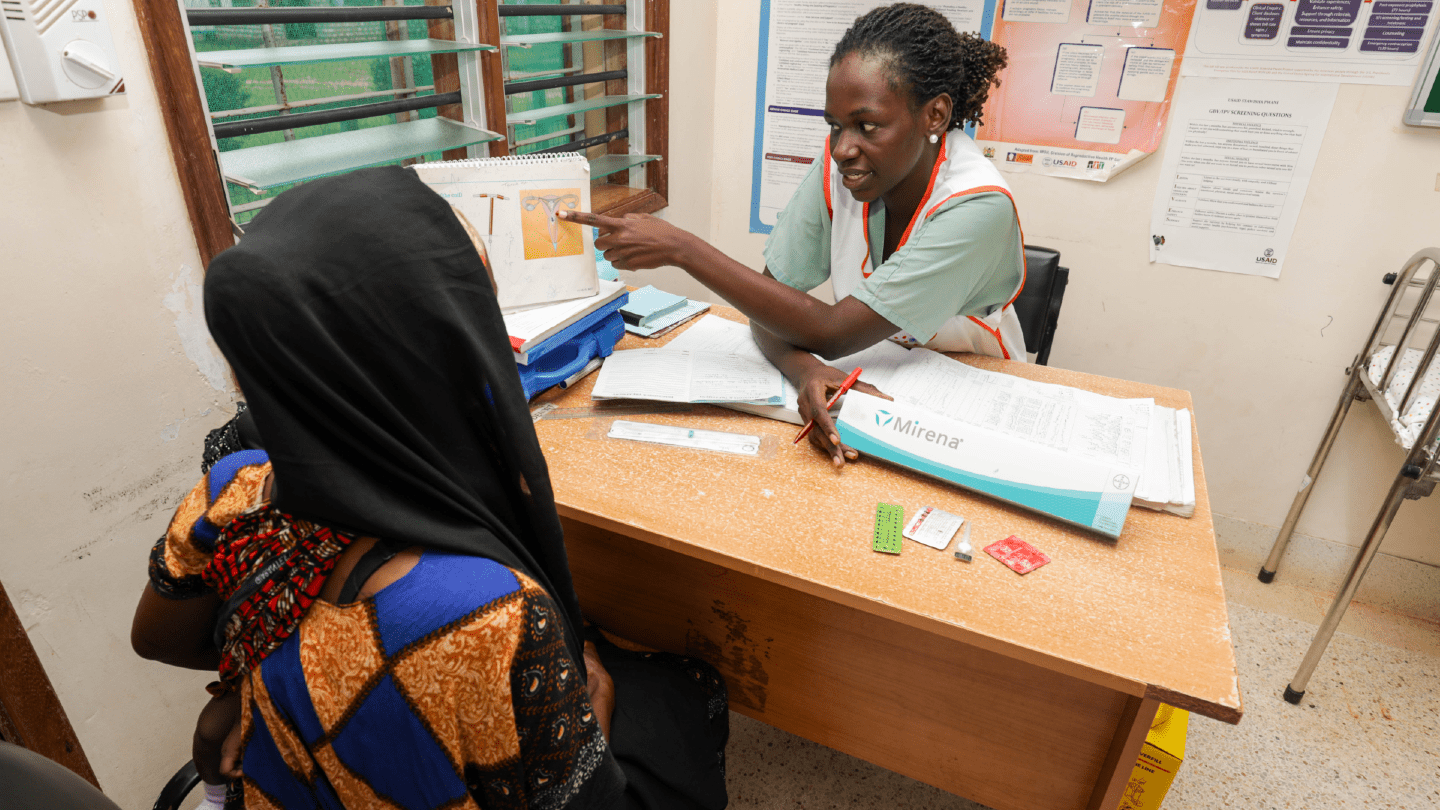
x=889, y=519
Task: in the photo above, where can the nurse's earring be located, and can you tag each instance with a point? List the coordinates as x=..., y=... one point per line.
x=934, y=138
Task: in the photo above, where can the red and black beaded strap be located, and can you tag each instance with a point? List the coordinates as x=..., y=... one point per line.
x=268, y=568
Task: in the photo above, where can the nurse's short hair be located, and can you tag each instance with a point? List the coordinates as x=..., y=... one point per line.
x=926, y=56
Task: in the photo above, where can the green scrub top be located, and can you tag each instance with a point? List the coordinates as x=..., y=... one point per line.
x=965, y=259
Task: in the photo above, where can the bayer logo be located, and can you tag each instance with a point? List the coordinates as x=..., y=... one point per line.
x=1121, y=481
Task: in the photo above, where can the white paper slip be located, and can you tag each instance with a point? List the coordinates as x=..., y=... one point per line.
x=682, y=376
x=740, y=443
x=933, y=527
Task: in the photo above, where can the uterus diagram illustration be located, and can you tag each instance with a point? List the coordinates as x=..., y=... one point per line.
x=545, y=234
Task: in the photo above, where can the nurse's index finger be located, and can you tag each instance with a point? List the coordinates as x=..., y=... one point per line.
x=600, y=221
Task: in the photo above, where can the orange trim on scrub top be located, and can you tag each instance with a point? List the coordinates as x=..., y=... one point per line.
x=993, y=333
x=865, y=228
x=929, y=189
x=1024, y=273
x=914, y=218
x=829, y=207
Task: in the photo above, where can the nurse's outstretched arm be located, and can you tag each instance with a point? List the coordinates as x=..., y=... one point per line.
x=642, y=242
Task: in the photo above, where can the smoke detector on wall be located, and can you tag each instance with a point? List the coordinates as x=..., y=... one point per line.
x=60, y=50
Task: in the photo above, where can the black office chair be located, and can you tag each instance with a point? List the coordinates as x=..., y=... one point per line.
x=1038, y=306
x=29, y=781
x=178, y=788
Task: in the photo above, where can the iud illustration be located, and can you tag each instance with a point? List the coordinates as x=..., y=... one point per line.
x=493, y=198
x=551, y=204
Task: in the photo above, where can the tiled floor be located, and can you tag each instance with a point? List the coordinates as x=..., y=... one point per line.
x=1367, y=734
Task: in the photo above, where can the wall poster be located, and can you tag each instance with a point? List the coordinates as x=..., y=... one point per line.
x=1349, y=41
x=1089, y=84
x=1240, y=157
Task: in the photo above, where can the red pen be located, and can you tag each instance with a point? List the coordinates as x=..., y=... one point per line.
x=844, y=386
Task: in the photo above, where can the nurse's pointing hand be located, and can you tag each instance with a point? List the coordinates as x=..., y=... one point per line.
x=635, y=241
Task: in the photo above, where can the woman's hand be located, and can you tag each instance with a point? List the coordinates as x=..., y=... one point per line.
x=815, y=389
x=600, y=687
x=216, y=747
x=635, y=241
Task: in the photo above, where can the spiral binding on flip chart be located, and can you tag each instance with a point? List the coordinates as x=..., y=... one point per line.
x=517, y=160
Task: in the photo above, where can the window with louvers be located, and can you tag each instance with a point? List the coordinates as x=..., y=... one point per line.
x=271, y=93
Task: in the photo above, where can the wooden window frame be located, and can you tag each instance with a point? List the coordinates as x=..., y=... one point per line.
x=182, y=108
x=30, y=713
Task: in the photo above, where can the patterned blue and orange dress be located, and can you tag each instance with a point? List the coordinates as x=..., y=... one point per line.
x=452, y=687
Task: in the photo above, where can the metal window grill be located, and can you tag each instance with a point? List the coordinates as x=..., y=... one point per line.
x=297, y=90
x=575, y=82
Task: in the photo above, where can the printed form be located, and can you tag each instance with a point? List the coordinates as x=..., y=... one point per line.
x=1115, y=431
x=716, y=334
x=682, y=376
x=1236, y=167
x=1103, y=428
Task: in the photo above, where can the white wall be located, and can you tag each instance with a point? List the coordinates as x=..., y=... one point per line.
x=1250, y=350
x=104, y=413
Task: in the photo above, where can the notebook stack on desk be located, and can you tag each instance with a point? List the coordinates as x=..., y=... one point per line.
x=555, y=342
x=652, y=312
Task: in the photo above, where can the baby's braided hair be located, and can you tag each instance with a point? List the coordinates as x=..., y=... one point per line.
x=927, y=57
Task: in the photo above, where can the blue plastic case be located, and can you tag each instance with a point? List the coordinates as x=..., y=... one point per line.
x=569, y=350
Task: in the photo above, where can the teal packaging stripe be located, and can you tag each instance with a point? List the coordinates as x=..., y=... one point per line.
x=1088, y=510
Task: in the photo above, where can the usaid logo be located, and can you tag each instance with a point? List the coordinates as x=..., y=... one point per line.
x=1267, y=258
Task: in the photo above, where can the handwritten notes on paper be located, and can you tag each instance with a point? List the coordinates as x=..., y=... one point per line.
x=682, y=376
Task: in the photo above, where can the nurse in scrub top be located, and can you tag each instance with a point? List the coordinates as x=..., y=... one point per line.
x=914, y=227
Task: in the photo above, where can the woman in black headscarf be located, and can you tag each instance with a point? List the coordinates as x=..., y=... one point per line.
x=388, y=591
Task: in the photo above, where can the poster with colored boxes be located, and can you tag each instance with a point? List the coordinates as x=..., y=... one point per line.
x=1089, y=84
x=1347, y=41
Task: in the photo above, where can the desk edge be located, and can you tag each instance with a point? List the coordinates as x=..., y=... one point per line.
x=1228, y=714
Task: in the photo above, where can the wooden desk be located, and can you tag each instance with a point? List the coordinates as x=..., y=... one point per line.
x=1029, y=692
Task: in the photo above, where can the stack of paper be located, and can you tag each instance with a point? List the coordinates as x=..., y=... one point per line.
x=1129, y=433
x=529, y=329
x=1169, y=480
x=713, y=333
x=669, y=375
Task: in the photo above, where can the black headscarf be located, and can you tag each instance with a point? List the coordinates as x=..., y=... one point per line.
x=364, y=330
